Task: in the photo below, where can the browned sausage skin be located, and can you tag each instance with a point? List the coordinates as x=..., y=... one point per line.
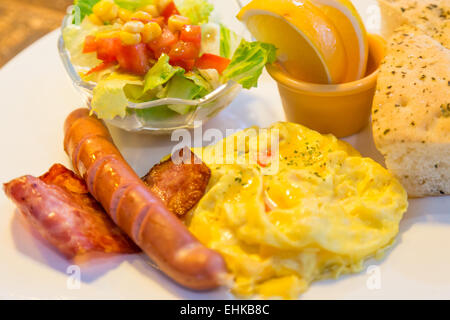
x=135, y=209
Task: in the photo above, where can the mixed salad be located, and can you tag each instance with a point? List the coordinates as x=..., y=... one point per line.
x=143, y=50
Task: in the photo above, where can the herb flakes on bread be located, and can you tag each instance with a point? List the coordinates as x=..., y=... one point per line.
x=430, y=16
x=411, y=112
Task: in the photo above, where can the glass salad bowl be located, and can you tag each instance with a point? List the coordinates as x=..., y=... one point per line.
x=154, y=116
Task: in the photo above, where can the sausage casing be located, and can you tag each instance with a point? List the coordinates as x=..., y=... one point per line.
x=135, y=208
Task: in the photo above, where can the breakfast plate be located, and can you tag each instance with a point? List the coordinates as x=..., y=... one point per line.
x=37, y=97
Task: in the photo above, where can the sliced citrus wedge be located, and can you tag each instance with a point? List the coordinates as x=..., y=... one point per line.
x=309, y=45
x=353, y=33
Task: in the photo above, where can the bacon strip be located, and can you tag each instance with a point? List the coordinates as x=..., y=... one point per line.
x=59, y=206
x=180, y=184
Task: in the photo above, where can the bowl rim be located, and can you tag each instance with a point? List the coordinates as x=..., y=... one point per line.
x=89, y=86
x=282, y=77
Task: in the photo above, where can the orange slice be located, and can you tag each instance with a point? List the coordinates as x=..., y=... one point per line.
x=310, y=46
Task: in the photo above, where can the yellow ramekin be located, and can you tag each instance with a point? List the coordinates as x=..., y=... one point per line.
x=342, y=109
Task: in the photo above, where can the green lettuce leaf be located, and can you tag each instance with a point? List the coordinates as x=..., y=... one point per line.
x=74, y=37
x=229, y=42
x=161, y=92
x=212, y=76
x=133, y=5
x=156, y=114
x=109, y=98
x=135, y=93
x=248, y=62
x=196, y=10
x=84, y=7
x=160, y=73
x=199, y=80
x=183, y=88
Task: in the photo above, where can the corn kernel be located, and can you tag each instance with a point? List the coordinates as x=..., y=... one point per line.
x=106, y=10
x=177, y=22
x=151, y=9
x=141, y=16
x=95, y=20
x=118, y=21
x=151, y=31
x=162, y=4
x=129, y=38
x=133, y=26
x=125, y=14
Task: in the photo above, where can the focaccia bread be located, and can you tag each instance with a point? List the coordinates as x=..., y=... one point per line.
x=431, y=16
x=411, y=112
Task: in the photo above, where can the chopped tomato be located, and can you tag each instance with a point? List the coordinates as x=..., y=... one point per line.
x=211, y=61
x=184, y=51
x=159, y=20
x=159, y=52
x=187, y=65
x=102, y=66
x=164, y=43
x=183, y=54
x=108, y=49
x=170, y=10
x=90, y=44
x=135, y=59
x=191, y=33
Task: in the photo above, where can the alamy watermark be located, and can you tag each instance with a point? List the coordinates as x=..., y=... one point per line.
x=374, y=280
x=74, y=277
x=254, y=146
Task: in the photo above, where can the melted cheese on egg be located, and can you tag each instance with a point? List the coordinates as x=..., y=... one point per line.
x=324, y=212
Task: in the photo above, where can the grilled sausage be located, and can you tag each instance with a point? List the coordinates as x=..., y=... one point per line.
x=135, y=208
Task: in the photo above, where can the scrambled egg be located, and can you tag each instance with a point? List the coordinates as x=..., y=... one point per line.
x=320, y=215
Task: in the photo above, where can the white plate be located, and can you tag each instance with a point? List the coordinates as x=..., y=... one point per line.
x=37, y=96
